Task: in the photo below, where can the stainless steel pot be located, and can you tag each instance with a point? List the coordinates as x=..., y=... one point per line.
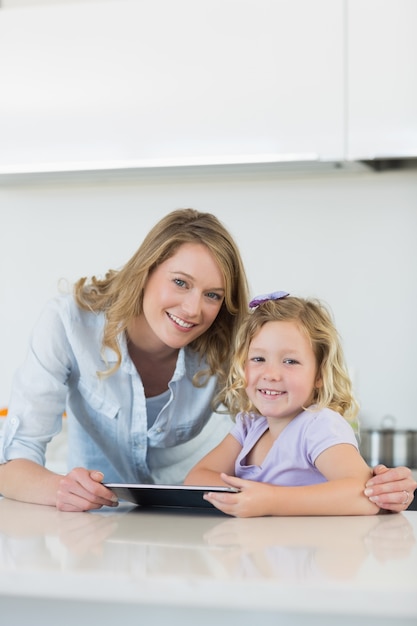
x=389, y=446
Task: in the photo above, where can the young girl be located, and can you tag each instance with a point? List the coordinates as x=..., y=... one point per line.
x=292, y=450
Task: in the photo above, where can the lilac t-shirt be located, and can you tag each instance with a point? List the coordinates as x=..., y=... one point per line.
x=290, y=461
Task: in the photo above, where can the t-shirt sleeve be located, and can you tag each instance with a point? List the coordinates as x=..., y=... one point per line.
x=325, y=429
x=240, y=428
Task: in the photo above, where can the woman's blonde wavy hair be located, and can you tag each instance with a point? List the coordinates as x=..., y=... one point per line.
x=120, y=293
x=315, y=321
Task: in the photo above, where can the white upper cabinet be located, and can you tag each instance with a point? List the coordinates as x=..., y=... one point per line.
x=159, y=82
x=382, y=79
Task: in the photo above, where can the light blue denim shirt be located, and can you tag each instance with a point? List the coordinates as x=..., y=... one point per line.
x=107, y=418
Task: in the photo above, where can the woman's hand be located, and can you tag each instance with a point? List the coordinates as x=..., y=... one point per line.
x=391, y=489
x=81, y=490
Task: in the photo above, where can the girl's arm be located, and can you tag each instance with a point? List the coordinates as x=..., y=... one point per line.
x=343, y=494
x=220, y=459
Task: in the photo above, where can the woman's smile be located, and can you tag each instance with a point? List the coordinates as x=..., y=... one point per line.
x=183, y=324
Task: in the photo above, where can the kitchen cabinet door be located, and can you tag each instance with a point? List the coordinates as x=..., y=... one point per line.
x=155, y=82
x=382, y=79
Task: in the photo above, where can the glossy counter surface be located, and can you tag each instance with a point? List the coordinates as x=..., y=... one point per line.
x=183, y=566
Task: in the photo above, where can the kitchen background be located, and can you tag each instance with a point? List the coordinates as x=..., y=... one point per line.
x=295, y=122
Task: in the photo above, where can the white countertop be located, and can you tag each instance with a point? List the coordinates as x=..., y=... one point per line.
x=181, y=564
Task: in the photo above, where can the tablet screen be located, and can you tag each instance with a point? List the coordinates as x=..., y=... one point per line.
x=166, y=495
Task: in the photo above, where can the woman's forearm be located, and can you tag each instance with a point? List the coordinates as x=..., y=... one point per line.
x=21, y=479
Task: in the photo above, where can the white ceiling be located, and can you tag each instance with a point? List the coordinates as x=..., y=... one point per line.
x=17, y=4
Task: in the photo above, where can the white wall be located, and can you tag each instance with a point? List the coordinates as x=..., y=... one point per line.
x=348, y=237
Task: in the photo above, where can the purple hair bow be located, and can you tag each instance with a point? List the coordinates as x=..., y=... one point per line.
x=275, y=295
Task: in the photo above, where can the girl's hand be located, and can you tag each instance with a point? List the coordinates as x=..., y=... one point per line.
x=391, y=489
x=250, y=501
x=81, y=490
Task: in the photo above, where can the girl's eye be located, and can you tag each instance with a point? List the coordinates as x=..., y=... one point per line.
x=290, y=362
x=257, y=359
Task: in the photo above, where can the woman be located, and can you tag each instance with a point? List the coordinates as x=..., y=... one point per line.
x=136, y=360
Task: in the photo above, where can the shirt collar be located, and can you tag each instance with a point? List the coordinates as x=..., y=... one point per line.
x=109, y=355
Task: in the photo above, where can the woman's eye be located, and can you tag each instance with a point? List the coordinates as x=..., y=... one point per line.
x=214, y=296
x=179, y=282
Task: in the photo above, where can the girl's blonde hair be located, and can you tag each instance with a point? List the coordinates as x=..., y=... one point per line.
x=120, y=293
x=313, y=319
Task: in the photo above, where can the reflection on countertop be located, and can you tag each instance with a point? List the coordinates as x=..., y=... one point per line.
x=139, y=543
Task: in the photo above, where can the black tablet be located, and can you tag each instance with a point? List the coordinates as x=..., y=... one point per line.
x=166, y=495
